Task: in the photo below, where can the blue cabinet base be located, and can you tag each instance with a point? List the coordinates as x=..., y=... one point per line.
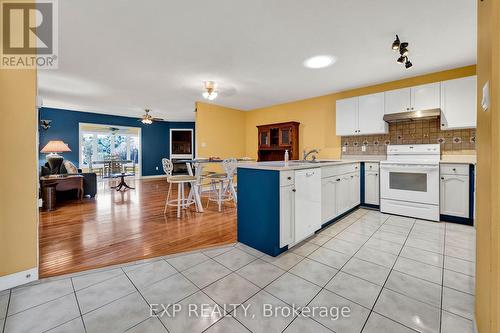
x=259, y=210
x=455, y=219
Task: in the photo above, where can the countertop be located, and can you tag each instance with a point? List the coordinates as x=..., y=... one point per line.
x=299, y=165
x=293, y=165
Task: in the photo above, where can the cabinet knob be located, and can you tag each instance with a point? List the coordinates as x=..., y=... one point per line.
x=442, y=178
x=407, y=109
x=454, y=169
x=352, y=176
x=338, y=179
x=294, y=190
x=376, y=174
x=289, y=178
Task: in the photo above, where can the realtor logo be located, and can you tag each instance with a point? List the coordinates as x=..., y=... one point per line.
x=29, y=34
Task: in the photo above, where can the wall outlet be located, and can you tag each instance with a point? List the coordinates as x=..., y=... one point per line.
x=344, y=149
x=157, y=169
x=363, y=148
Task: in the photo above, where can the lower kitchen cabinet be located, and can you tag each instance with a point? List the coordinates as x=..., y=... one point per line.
x=328, y=194
x=454, y=195
x=372, y=188
x=456, y=201
x=287, y=212
x=340, y=191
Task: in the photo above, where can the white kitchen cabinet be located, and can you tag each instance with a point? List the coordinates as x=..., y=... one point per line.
x=398, y=100
x=361, y=115
x=372, y=188
x=422, y=97
x=454, y=195
x=347, y=116
x=426, y=97
x=459, y=103
x=354, y=195
x=287, y=213
x=342, y=195
x=371, y=114
x=328, y=207
x=307, y=206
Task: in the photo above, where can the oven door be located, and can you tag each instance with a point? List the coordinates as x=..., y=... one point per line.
x=410, y=182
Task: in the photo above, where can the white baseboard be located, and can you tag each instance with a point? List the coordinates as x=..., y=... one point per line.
x=19, y=278
x=155, y=176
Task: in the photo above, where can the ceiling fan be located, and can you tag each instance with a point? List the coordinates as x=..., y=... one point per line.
x=147, y=118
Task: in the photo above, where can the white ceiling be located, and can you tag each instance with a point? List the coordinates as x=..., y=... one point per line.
x=119, y=56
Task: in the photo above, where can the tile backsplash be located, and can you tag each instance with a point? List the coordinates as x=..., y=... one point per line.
x=461, y=142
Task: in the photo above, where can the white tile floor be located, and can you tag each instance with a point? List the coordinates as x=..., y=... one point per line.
x=395, y=274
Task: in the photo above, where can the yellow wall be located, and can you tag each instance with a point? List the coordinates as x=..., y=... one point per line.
x=488, y=150
x=220, y=131
x=18, y=171
x=317, y=115
x=317, y=124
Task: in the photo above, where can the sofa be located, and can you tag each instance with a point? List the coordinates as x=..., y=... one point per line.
x=89, y=178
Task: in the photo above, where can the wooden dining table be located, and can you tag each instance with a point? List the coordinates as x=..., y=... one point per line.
x=109, y=163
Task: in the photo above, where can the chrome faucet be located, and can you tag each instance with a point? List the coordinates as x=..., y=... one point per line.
x=307, y=153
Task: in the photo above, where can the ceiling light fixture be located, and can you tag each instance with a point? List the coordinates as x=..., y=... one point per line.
x=402, y=47
x=408, y=63
x=319, y=61
x=210, y=92
x=396, y=43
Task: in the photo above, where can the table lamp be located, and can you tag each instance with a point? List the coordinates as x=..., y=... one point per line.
x=55, y=160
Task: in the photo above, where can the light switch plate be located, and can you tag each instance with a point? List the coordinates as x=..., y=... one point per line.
x=363, y=148
x=485, y=102
x=344, y=149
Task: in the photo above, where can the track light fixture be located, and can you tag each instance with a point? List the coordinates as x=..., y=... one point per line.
x=396, y=43
x=402, y=47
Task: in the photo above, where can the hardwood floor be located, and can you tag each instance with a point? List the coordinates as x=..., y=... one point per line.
x=117, y=227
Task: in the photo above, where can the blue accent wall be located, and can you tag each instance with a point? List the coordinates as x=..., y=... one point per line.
x=155, y=138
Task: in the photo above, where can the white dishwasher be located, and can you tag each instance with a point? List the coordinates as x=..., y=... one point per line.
x=307, y=202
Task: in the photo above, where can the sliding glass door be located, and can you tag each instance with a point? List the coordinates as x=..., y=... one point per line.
x=102, y=142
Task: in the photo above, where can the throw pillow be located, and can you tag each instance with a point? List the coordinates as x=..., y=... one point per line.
x=70, y=167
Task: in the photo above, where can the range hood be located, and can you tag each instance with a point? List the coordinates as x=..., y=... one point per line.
x=412, y=115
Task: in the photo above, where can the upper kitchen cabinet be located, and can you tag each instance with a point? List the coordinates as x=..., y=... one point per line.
x=361, y=115
x=371, y=114
x=398, y=100
x=426, y=97
x=459, y=103
x=347, y=116
x=423, y=97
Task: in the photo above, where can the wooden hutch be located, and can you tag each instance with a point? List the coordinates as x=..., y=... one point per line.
x=274, y=139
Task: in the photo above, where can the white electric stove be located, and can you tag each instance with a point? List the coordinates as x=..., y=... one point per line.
x=409, y=181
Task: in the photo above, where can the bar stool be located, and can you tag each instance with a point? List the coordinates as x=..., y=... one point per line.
x=222, y=186
x=181, y=202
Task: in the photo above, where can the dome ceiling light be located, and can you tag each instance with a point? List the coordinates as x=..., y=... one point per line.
x=210, y=92
x=319, y=61
x=402, y=48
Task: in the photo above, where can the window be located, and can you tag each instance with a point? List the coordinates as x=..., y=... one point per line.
x=101, y=142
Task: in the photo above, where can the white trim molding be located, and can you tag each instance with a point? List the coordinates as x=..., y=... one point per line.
x=154, y=176
x=19, y=278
